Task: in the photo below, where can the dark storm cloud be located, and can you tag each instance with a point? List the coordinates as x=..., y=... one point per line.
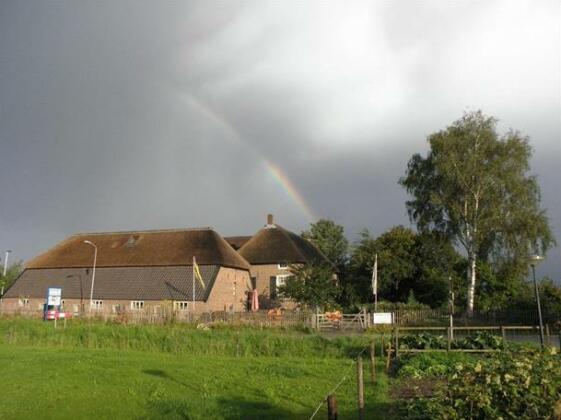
x=141, y=115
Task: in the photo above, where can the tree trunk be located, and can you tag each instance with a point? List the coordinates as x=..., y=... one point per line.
x=471, y=282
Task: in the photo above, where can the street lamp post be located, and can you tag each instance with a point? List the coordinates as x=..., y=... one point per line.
x=535, y=260
x=93, y=273
x=4, y=272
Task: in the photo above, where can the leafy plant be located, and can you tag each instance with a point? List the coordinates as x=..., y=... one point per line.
x=422, y=341
x=505, y=385
x=432, y=364
x=481, y=340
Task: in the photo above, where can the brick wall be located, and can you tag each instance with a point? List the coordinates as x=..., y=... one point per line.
x=229, y=293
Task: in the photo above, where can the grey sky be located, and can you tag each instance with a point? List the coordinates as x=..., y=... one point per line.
x=137, y=115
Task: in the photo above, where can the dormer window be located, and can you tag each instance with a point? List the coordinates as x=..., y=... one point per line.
x=283, y=266
x=133, y=239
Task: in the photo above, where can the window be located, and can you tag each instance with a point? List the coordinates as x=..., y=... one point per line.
x=137, y=304
x=281, y=279
x=23, y=302
x=180, y=305
x=283, y=266
x=116, y=309
x=97, y=304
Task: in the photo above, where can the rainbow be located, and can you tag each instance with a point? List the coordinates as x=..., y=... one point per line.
x=274, y=171
x=289, y=188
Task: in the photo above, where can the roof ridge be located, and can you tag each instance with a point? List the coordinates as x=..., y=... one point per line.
x=143, y=231
x=287, y=233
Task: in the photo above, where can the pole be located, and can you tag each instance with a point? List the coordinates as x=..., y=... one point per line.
x=539, y=306
x=360, y=388
x=332, y=413
x=6, y=263
x=375, y=283
x=4, y=272
x=373, y=360
x=93, y=274
x=194, y=261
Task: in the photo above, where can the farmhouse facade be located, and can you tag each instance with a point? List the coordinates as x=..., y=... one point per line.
x=152, y=271
x=271, y=252
x=142, y=270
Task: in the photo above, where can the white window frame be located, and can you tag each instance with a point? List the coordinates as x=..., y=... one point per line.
x=281, y=279
x=282, y=266
x=180, y=305
x=23, y=302
x=97, y=304
x=137, y=305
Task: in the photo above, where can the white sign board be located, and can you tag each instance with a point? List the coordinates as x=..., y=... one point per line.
x=382, y=318
x=54, y=296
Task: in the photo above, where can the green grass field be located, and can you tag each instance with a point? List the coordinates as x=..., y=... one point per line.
x=115, y=371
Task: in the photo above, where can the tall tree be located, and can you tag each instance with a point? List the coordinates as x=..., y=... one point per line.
x=311, y=285
x=330, y=239
x=408, y=262
x=474, y=187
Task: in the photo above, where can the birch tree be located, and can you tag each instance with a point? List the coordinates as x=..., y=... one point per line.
x=474, y=186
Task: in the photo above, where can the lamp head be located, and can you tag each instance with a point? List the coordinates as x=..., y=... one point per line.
x=535, y=259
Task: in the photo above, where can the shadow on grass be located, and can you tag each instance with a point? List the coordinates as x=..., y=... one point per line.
x=243, y=408
x=228, y=409
x=158, y=373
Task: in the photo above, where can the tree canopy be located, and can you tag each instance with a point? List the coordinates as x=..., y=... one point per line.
x=408, y=264
x=311, y=285
x=330, y=239
x=473, y=186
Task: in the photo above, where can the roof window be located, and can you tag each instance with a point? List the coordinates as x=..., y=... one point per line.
x=133, y=239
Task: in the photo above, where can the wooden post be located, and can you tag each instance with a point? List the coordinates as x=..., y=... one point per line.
x=389, y=353
x=332, y=413
x=382, y=345
x=503, y=335
x=373, y=360
x=449, y=341
x=396, y=341
x=547, y=342
x=55, y=321
x=360, y=388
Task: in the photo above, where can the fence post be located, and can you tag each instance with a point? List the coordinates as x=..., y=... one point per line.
x=382, y=345
x=373, y=360
x=396, y=341
x=449, y=341
x=389, y=353
x=360, y=388
x=332, y=413
x=503, y=335
x=547, y=335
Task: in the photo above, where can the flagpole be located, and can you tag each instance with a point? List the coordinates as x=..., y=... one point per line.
x=375, y=283
x=194, y=262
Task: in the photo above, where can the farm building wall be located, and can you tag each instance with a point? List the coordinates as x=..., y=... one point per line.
x=229, y=293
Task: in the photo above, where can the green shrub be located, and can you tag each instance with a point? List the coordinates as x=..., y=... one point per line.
x=505, y=385
x=424, y=365
x=422, y=341
x=481, y=340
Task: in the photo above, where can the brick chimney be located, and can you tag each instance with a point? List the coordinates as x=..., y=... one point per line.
x=270, y=220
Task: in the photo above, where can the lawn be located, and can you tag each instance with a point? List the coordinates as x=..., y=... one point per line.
x=222, y=374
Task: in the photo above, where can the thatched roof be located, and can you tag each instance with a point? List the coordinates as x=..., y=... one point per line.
x=142, y=249
x=126, y=283
x=237, y=242
x=273, y=244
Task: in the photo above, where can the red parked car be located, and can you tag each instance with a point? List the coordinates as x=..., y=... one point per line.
x=52, y=312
